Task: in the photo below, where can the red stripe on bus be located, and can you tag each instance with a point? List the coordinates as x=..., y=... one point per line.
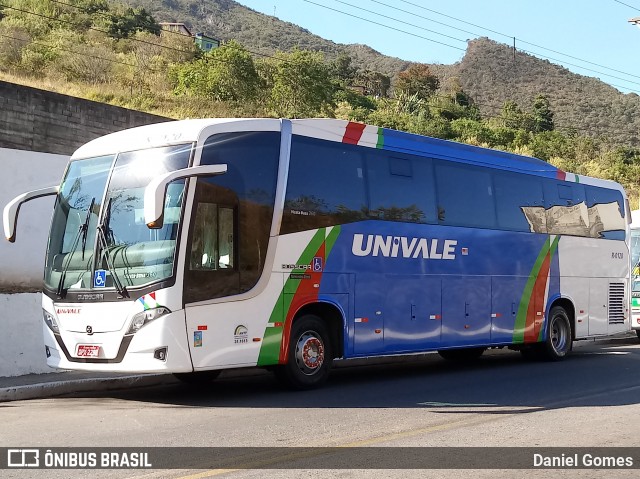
x=532, y=328
x=353, y=133
x=305, y=294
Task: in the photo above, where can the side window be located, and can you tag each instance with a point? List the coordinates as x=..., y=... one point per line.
x=465, y=196
x=519, y=202
x=212, y=245
x=325, y=185
x=400, y=188
x=232, y=215
x=606, y=213
x=566, y=210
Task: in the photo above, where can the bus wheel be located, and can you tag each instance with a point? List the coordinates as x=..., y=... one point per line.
x=198, y=378
x=310, y=355
x=638, y=333
x=464, y=354
x=558, y=342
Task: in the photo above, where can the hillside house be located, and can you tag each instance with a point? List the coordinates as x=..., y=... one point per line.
x=203, y=41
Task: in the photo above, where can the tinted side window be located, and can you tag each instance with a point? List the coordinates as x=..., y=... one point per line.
x=400, y=188
x=232, y=215
x=566, y=210
x=325, y=186
x=519, y=202
x=606, y=213
x=465, y=196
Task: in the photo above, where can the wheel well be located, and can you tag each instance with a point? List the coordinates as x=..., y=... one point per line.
x=571, y=312
x=333, y=317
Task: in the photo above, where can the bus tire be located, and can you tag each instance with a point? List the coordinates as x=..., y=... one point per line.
x=198, y=378
x=310, y=354
x=461, y=355
x=558, y=341
x=638, y=333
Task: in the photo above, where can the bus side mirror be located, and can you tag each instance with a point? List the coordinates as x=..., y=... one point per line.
x=154, y=194
x=10, y=212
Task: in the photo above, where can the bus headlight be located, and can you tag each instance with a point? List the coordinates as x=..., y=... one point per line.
x=144, y=317
x=50, y=321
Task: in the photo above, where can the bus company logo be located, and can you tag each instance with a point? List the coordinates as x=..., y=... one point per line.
x=403, y=247
x=241, y=335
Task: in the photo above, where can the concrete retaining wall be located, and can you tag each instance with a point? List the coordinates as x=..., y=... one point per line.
x=22, y=262
x=40, y=120
x=21, y=345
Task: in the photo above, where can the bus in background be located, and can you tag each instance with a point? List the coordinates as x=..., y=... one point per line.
x=195, y=246
x=635, y=271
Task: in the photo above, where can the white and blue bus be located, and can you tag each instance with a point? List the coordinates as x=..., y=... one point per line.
x=195, y=246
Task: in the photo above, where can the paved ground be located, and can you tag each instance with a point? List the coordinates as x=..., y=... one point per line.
x=57, y=383
x=33, y=386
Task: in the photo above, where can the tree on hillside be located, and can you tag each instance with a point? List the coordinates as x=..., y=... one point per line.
x=124, y=24
x=417, y=80
x=374, y=83
x=37, y=23
x=300, y=84
x=542, y=114
x=513, y=117
x=343, y=69
x=227, y=73
x=39, y=17
x=14, y=39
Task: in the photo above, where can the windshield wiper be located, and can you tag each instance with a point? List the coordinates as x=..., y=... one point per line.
x=104, y=232
x=82, y=232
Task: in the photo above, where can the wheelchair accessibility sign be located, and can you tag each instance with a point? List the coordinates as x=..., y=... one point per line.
x=99, y=278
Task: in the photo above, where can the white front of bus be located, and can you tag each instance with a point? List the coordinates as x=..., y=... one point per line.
x=110, y=299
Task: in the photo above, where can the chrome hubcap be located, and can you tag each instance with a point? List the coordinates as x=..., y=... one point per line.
x=559, y=335
x=309, y=353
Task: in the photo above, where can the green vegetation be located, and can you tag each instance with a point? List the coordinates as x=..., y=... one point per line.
x=115, y=53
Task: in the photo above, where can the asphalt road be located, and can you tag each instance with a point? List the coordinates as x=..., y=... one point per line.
x=590, y=400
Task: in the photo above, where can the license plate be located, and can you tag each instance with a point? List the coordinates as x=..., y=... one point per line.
x=88, y=351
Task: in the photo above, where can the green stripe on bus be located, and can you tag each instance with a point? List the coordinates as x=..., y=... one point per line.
x=331, y=240
x=380, y=143
x=552, y=252
x=270, y=348
x=521, y=317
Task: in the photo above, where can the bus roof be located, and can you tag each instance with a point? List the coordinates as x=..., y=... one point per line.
x=161, y=134
x=344, y=131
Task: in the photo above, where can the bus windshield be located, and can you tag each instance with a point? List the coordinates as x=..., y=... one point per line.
x=101, y=240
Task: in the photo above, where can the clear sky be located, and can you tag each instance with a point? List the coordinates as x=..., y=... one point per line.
x=590, y=37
